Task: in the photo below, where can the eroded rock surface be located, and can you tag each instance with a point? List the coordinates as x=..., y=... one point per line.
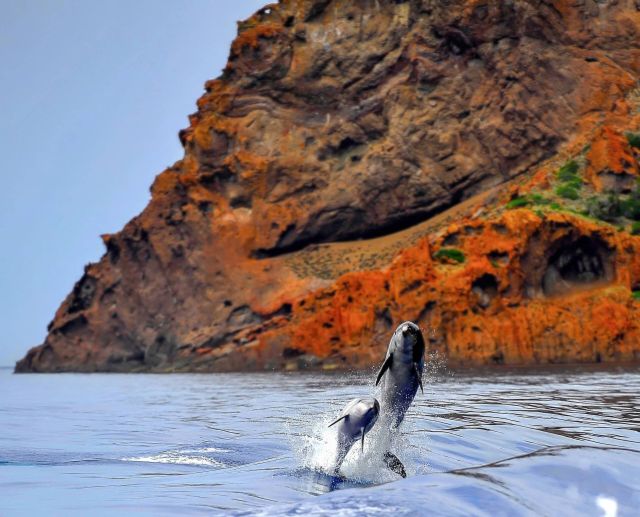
x=347, y=148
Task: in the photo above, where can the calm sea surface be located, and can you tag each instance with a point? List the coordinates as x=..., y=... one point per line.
x=559, y=442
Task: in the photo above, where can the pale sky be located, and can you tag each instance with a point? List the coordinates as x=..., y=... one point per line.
x=92, y=96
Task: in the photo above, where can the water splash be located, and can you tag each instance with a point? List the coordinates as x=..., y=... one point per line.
x=608, y=505
x=314, y=444
x=315, y=448
x=198, y=457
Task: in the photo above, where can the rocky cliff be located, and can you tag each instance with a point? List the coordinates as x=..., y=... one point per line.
x=466, y=164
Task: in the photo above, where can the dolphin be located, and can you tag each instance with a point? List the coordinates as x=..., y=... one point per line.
x=401, y=376
x=356, y=420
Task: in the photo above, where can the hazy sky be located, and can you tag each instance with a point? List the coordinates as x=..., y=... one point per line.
x=92, y=95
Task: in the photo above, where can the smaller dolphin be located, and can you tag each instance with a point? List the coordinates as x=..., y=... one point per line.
x=357, y=419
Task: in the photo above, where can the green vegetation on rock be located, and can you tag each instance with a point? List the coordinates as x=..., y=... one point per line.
x=573, y=195
x=567, y=192
x=575, y=183
x=611, y=206
x=633, y=139
x=450, y=253
x=532, y=199
x=631, y=205
x=606, y=208
x=568, y=171
x=635, y=295
x=571, y=182
x=518, y=202
x=539, y=199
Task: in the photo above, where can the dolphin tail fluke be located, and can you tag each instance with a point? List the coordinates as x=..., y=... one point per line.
x=385, y=366
x=336, y=421
x=415, y=369
x=394, y=464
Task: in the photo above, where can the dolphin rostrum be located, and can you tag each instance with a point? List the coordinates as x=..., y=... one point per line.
x=356, y=420
x=401, y=376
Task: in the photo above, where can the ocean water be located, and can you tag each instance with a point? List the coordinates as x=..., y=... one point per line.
x=555, y=442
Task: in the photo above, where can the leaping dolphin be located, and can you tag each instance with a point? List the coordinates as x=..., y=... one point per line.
x=356, y=420
x=401, y=375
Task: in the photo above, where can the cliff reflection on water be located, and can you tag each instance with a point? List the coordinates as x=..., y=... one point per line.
x=547, y=442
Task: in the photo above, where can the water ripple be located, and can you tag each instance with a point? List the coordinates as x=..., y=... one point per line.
x=545, y=443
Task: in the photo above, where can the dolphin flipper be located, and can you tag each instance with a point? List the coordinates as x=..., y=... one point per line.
x=394, y=464
x=385, y=366
x=341, y=418
x=415, y=369
x=362, y=431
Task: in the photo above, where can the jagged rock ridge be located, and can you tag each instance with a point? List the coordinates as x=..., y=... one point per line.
x=348, y=149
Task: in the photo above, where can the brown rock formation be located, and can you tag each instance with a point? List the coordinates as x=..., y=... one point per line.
x=351, y=168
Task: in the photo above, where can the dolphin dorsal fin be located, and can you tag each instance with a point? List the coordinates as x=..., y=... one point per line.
x=385, y=366
x=415, y=369
x=343, y=417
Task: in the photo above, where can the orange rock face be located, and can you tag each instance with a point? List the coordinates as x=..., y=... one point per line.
x=612, y=163
x=363, y=163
